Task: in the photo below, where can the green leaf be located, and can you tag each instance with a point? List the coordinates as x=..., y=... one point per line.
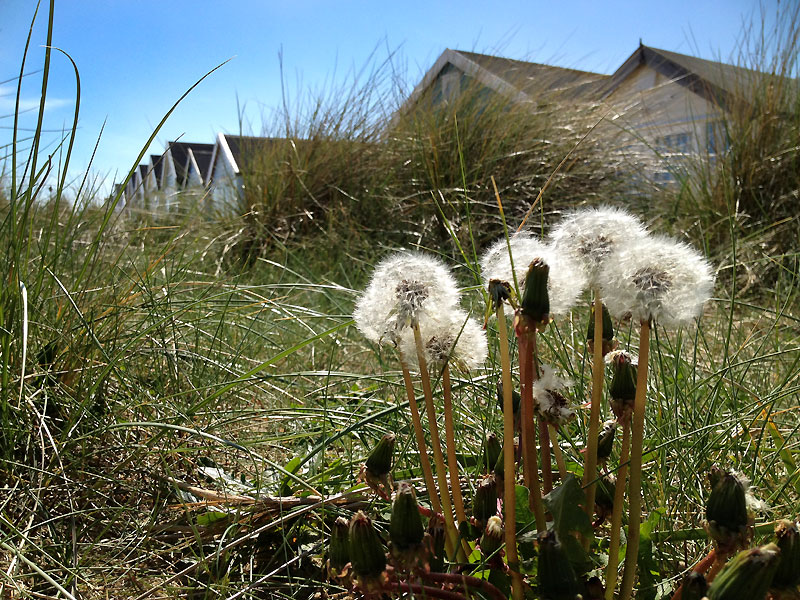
x=292, y=466
x=211, y=517
x=648, y=568
x=526, y=521
x=565, y=505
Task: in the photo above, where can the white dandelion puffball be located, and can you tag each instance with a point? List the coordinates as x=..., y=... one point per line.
x=657, y=279
x=548, y=392
x=453, y=336
x=403, y=287
x=566, y=280
x=590, y=236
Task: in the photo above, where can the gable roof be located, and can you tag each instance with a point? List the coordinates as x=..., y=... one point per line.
x=156, y=164
x=518, y=80
x=180, y=156
x=714, y=81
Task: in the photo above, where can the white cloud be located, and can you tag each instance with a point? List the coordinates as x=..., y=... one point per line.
x=8, y=100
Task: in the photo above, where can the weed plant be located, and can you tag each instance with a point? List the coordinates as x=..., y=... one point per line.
x=171, y=415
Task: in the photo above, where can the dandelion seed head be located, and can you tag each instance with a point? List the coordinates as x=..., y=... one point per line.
x=657, y=279
x=566, y=280
x=548, y=392
x=452, y=336
x=403, y=288
x=590, y=236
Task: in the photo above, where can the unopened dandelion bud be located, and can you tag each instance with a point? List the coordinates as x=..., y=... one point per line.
x=484, y=504
x=557, y=580
x=339, y=550
x=726, y=511
x=595, y=590
x=622, y=389
x=694, y=586
x=535, y=299
x=436, y=534
x=367, y=554
x=493, y=537
x=787, y=538
x=747, y=576
x=405, y=528
x=604, y=496
x=609, y=343
x=379, y=462
x=605, y=441
x=491, y=450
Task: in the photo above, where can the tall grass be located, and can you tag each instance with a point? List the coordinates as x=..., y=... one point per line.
x=146, y=368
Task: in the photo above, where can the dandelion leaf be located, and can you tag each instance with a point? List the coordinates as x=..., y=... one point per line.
x=565, y=504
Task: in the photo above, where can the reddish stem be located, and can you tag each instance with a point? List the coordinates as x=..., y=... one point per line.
x=466, y=581
x=701, y=567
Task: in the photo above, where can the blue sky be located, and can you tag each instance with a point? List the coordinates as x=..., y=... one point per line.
x=137, y=57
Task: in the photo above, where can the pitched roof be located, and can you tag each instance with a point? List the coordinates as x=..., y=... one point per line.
x=518, y=80
x=717, y=82
x=180, y=156
x=157, y=164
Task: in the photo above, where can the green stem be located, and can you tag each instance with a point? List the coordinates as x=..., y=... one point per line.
x=450, y=438
x=637, y=443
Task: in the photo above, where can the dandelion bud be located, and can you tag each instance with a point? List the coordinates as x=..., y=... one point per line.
x=436, y=535
x=609, y=343
x=493, y=537
x=595, y=590
x=405, y=527
x=787, y=538
x=377, y=469
x=484, y=505
x=535, y=299
x=499, y=472
x=557, y=580
x=605, y=441
x=491, y=450
x=366, y=551
x=694, y=586
x=622, y=389
x=726, y=510
x=339, y=550
x=748, y=576
x=604, y=496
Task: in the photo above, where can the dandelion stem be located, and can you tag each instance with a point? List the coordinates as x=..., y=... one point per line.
x=547, y=467
x=427, y=473
x=637, y=442
x=590, y=464
x=616, y=515
x=528, y=372
x=562, y=466
x=509, y=466
x=450, y=437
x=701, y=567
x=438, y=457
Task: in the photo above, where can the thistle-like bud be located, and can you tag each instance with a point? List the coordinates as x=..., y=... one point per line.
x=535, y=302
x=405, y=527
x=436, y=535
x=492, y=539
x=622, y=389
x=557, y=580
x=339, y=550
x=604, y=496
x=378, y=467
x=747, y=576
x=605, y=441
x=366, y=552
x=694, y=586
x=609, y=343
x=491, y=450
x=787, y=538
x=484, y=504
x=726, y=511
